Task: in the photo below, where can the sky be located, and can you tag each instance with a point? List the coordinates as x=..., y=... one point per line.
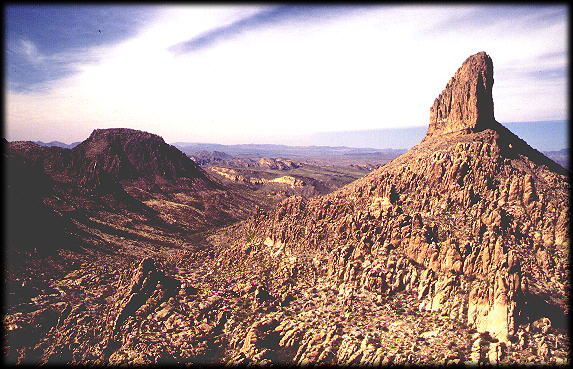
x=268, y=74
x=544, y=136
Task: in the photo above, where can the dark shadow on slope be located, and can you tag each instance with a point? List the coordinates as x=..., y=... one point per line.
x=30, y=224
x=520, y=147
x=535, y=307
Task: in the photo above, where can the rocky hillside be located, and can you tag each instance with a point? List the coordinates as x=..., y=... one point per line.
x=26, y=186
x=472, y=221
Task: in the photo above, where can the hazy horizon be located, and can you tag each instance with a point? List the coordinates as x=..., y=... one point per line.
x=239, y=74
x=544, y=136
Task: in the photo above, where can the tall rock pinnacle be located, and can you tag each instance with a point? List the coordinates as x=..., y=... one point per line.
x=466, y=104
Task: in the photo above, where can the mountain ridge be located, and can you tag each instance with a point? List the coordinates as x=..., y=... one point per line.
x=472, y=220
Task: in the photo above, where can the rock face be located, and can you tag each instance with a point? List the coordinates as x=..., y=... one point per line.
x=466, y=104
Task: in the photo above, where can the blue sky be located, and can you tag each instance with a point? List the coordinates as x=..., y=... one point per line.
x=269, y=74
x=58, y=35
x=544, y=136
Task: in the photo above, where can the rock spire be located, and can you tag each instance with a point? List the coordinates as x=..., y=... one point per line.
x=466, y=104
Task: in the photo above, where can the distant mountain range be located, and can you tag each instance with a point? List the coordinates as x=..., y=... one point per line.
x=58, y=144
x=550, y=137
x=561, y=157
x=291, y=152
x=317, y=152
x=542, y=135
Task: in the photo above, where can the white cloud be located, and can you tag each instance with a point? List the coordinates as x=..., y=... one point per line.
x=30, y=51
x=375, y=68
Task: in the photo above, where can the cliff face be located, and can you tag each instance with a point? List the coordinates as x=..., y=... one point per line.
x=472, y=220
x=466, y=104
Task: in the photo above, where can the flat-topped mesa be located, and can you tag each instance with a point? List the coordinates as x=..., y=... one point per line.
x=466, y=104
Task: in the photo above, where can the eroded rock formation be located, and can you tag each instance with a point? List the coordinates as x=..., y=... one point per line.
x=466, y=104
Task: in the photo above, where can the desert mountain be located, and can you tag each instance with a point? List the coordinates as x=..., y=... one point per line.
x=135, y=171
x=120, y=155
x=454, y=252
x=472, y=221
x=130, y=155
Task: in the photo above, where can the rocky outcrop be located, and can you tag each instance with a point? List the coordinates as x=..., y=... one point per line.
x=466, y=104
x=148, y=291
x=289, y=180
x=277, y=163
x=234, y=175
x=142, y=286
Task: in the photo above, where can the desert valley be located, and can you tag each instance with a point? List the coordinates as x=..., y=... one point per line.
x=123, y=249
